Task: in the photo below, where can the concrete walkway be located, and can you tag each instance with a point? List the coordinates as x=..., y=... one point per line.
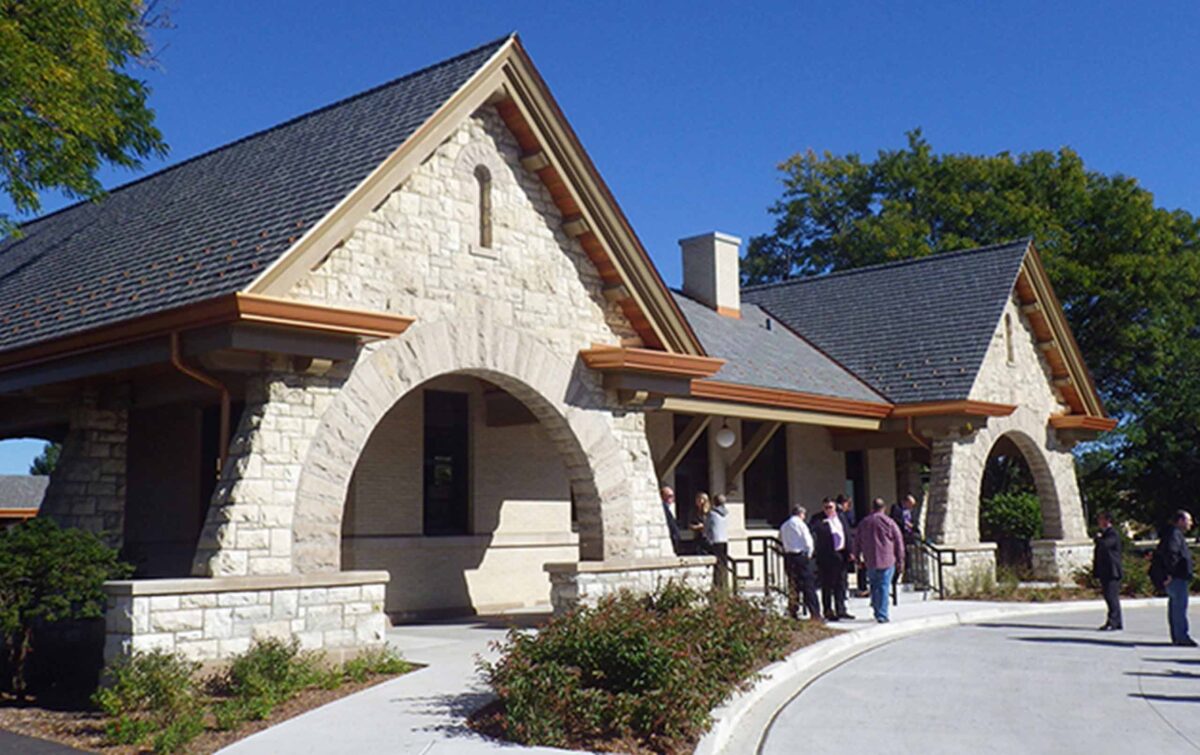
x=1049, y=683
x=421, y=713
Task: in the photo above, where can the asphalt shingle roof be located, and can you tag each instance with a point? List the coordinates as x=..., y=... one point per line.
x=768, y=356
x=208, y=226
x=915, y=330
x=22, y=491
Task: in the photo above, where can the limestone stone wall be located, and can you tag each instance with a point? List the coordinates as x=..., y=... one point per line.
x=1058, y=560
x=815, y=469
x=958, y=458
x=586, y=583
x=87, y=488
x=214, y=619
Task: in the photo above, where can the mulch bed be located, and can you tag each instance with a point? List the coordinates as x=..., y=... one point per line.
x=488, y=719
x=82, y=728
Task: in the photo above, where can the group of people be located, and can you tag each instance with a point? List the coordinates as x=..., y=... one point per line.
x=1171, y=570
x=711, y=522
x=826, y=548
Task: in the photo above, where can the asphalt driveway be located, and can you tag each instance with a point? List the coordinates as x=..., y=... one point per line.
x=1048, y=684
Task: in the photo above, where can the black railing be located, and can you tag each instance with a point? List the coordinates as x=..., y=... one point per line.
x=774, y=572
x=927, y=564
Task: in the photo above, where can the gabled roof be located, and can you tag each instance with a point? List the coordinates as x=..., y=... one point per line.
x=254, y=215
x=22, y=491
x=916, y=330
x=209, y=225
x=762, y=352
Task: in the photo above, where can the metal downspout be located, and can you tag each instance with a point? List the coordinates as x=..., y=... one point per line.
x=211, y=382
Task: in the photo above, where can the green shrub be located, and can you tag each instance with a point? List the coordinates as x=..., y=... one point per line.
x=1136, y=583
x=374, y=662
x=149, y=692
x=269, y=673
x=179, y=732
x=636, y=668
x=48, y=575
x=1015, y=515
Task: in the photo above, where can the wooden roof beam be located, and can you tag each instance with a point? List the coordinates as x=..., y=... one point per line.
x=750, y=451
x=683, y=443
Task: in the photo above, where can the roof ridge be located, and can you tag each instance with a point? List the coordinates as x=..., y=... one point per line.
x=276, y=127
x=1023, y=241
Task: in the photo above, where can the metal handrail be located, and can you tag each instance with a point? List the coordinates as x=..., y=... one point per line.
x=770, y=550
x=942, y=558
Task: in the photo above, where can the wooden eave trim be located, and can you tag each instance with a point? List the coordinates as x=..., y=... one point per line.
x=650, y=362
x=1056, y=320
x=18, y=513
x=967, y=407
x=749, y=394
x=598, y=205
x=231, y=308
x=1083, y=422
x=767, y=413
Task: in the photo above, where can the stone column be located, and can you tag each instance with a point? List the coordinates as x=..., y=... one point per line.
x=87, y=488
x=953, y=519
x=249, y=525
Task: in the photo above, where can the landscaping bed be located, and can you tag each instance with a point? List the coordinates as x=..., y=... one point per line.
x=637, y=673
x=157, y=703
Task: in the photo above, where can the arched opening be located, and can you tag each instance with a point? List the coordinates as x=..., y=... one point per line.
x=462, y=494
x=483, y=178
x=1017, y=501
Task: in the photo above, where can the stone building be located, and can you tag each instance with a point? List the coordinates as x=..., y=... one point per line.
x=404, y=356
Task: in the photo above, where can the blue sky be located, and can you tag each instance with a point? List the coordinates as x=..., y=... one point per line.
x=687, y=107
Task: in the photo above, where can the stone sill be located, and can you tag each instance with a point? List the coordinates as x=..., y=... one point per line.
x=200, y=585
x=616, y=567
x=514, y=540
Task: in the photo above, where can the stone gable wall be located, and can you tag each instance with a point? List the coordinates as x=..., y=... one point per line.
x=958, y=458
x=516, y=314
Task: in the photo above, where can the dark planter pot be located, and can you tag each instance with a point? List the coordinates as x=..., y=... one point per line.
x=1014, y=553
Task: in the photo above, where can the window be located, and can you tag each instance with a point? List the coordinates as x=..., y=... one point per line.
x=1008, y=339
x=484, y=178
x=766, y=480
x=447, y=491
x=856, y=482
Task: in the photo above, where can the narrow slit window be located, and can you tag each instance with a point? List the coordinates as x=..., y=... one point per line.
x=484, y=179
x=1008, y=339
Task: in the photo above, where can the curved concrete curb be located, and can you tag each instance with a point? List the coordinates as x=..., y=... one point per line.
x=740, y=724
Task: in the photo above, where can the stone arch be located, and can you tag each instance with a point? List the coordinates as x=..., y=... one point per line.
x=569, y=407
x=958, y=462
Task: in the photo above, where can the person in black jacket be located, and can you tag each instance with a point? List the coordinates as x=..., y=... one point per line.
x=831, y=532
x=1106, y=565
x=1178, y=562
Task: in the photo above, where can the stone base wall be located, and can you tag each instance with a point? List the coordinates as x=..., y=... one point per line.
x=973, y=562
x=586, y=582
x=214, y=619
x=1058, y=560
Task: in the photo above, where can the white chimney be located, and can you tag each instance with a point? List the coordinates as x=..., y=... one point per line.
x=710, y=271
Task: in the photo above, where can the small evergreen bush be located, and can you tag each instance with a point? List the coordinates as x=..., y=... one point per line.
x=49, y=575
x=636, y=668
x=1015, y=515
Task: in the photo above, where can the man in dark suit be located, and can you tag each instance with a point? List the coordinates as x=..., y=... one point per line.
x=1106, y=564
x=1178, y=561
x=831, y=531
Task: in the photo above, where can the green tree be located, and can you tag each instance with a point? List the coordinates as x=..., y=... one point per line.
x=45, y=462
x=47, y=575
x=1127, y=272
x=67, y=101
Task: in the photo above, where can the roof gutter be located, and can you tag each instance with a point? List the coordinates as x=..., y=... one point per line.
x=217, y=385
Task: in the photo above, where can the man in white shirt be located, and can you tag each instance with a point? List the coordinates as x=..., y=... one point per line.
x=798, y=549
